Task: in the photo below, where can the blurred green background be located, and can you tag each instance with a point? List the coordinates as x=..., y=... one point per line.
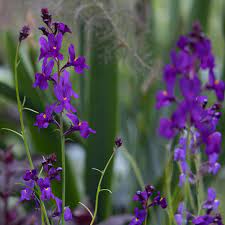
x=126, y=42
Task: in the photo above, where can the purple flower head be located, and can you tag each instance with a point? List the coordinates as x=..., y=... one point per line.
x=24, y=33
x=58, y=209
x=30, y=175
x=167, y=128
x=159, y=201
x=118, y=142
x=213, y=165
x=51, y=48
x=140, y=215
x=203, y=220
x=45, y=186
x=68, y=214
x=54, y=173
x=170, y=73
x=163, y=99
x=41, y=79
x=62, y=28
x=47, y=18
x=213, y=143
x=211, y=203
x=63, y=91
x=82, y=126
x=44, y=119
x=179, y=215
x=78, y=63
x=28, y=192
x=48, y=162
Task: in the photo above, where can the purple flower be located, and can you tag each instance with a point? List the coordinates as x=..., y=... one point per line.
x=62, y=28
x=163, y=99
x=58, y=209
x=68, y=214
x=44, y=119
x=139, y=218
x=54, y=173
x=28, y=192
x=167, y=128
x=30, y=175
x=47, y=18
x=24, y=33
x=213, y=143
x=45, y=186
x=78, y=63
x=51, y=47
x=213, y=165
x=82, y=126
x=179, y=215
x=41, y=79
x=63, y=91
x=118, y=142
x=211, y=203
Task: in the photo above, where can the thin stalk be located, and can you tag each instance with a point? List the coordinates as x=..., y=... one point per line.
x=99, y=188
x=20, y=110
x=63, y=167
x=168, y=176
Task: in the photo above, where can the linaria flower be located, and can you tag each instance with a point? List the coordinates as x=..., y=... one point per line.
x=24, y=33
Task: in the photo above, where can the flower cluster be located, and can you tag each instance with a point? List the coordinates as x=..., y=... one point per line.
x=36, y=186
x=50, y=54
x=192, y=119
x=147, y=198
x=211, y=216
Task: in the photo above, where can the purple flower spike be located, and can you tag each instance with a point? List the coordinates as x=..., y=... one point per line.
x=44, y=119
x=139, y=218
x=41, y=79
x=24, y=33
x=68, y=214
x=78, y=63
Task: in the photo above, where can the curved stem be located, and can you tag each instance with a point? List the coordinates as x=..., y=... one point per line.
x=63, y=167
x=99, y=188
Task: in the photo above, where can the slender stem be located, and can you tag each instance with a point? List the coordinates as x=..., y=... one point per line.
x=168, y=176
x=63, y=167
x=42, y=218
x=20, y=110
x=99, y=188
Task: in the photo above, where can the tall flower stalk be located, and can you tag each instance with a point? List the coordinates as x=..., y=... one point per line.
x=194, y=122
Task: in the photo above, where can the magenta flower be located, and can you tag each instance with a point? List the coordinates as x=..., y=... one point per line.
x=41, y=79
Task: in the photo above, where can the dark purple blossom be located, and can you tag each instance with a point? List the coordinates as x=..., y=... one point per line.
x=44, y=119
x=51, y=48
x=45, y=187
x=81, y=126
x=30, y=175
x=118, y=142
x=62, y=28
x=27, y=193
x=41, y=79
x=24, y=33
x=78, y=63
x=47, y=18
x=140, y=215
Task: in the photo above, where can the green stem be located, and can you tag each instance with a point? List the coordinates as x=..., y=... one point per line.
x=168, y=176
x=135, y=168
x=99, y=188
x=63, y=167
x=20, y=110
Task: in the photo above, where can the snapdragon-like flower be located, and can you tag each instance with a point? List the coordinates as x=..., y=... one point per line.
x=32, y=179
x=147, y=198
